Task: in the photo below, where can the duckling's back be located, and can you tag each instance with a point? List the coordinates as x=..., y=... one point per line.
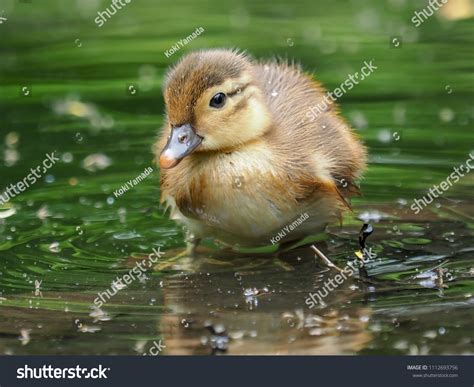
x=323, y=145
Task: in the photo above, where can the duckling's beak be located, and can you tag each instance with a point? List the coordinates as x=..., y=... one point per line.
x=181, y=142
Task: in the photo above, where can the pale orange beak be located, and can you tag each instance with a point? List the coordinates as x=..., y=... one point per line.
x=167, y=162
x=182, y=141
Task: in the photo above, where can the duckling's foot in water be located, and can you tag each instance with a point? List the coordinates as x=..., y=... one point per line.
x=186, y=255
x=191, y=246
x=192, y=242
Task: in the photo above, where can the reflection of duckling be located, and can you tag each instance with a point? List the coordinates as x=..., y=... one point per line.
x=230, y=118
x=213, y=299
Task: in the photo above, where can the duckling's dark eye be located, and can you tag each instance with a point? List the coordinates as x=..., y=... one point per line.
x=218, y=100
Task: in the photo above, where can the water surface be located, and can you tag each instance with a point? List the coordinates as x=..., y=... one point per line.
x=93, y=95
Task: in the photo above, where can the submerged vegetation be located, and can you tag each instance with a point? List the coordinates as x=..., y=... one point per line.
x=93, y=96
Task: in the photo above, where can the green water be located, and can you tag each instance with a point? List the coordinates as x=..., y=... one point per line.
x=95, y=94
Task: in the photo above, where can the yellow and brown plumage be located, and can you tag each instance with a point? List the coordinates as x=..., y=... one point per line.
x=242, y=170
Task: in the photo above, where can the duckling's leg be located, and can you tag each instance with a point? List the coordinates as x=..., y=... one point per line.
x=191, y=244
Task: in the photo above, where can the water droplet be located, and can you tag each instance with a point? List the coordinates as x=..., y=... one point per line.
x=79, y=230
x=446, y=115
x=384, y=135
x=67, y=157
x=274, y=93
x=24, y=336
x=49, y=179
x=78, y=42
x=290, y=42
x=54, y=247
x=396, y=136
x=78, y=137
x=448, y=89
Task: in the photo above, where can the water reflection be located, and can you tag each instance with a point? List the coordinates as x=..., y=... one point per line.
x=261, y=310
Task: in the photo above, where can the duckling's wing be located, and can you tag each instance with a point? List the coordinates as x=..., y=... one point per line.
x=323, y=146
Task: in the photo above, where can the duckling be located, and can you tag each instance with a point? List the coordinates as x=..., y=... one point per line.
x=241, y=156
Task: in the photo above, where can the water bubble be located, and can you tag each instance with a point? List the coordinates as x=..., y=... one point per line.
x=430, y=334
x=122, y=212
x=89, y=328
x=67, y=157
x=3, y=18
x=79, y=230
x=446, y=115
x=185, y=323
x=96, y=162
x=49, y=179
x=399, y=114
x=78, y=42
x=290, y=42
x=384, y=135
x=396, y=136
x=24, y=336
x=448, y=89
x=54, y=247
x=110, y=200
x=78, y=137
x=358, y=119
x=316, y=332
x=12, y=139
x=442, y=330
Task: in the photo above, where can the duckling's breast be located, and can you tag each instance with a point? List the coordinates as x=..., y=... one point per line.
x=241, y=197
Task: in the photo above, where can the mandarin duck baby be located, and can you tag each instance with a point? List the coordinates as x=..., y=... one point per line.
x=242, y=157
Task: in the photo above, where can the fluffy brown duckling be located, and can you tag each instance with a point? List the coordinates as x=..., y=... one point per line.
x=241, y=159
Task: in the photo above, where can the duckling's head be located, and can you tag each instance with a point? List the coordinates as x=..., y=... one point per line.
x=213, y=103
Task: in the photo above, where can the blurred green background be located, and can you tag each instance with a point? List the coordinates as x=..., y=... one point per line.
x=93, y=95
